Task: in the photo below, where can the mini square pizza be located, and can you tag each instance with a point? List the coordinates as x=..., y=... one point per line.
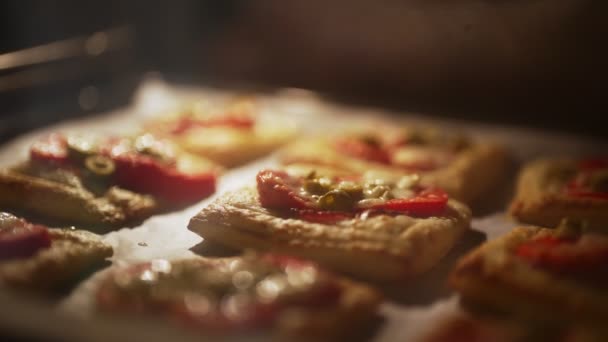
x=463, y=168
x=230, y=135
x=106, y=182
x=551, y=190
x=370, y=228
x=539, y=275
x=234, y=297
x=37, y=258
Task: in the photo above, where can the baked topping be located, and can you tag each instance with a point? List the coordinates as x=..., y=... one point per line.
x=410, y=150
x=143, y=164
x=568, y=252
x=590, y=179
x=239, y=115
x=223, y=294
x=347, y=197
x=20, y=239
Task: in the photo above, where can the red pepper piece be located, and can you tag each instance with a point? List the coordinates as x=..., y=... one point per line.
x=362, y=150
x=581, y=192
x=22, y=240
x=53, y=149
x=538, y=248
x=591, y=164
x=562, y=254
x=429, y=202
x=276, y=192
x=134, y=171
x=186, y=123
x=144, y=174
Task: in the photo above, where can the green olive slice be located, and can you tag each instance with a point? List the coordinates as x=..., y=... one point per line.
x=80, y=147
x=317, y=186
x=353, y=189
x=99, y=165
x=336, y=200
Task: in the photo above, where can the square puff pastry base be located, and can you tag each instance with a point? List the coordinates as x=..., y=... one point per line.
x=381, y=247
x=231, y=147
x=475, y=170
x=71, y=205
x=538, y=201
x=71, y=254
x=492, y=277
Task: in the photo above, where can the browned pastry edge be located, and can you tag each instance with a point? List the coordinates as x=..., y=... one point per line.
x=71, y=205
x=72, y=253
x=381, y=247
x=535, y=204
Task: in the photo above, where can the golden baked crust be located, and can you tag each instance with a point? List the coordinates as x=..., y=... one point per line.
x=72, y=205
x=233, y=147
x=540, y=200
x=492, y=276
x=72, y=253
x=379, y=247
x=475, y=170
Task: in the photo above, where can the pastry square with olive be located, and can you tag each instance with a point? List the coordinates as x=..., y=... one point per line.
x=371, y=228
x=36, y=258
x=104, y=182
x=270, y=295
x=464, y=168
x=553, y=189
x=539, y=275
x=230, y=134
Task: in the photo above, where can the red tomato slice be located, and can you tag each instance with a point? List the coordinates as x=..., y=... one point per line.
x=593, y=163
x=134, y=171
x=580, y=192
x=52, y=148
x=186, y=123
x=361, y=150
x=427, y=203
x=19, y=239
x=276, y=191
x=563, y=254
x=144, y=174
x=577, y=188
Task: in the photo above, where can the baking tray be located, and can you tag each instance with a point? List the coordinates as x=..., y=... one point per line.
x=411, y=310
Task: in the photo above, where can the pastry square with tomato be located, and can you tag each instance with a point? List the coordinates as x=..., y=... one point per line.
x=267, y=294
x=551, y=190
x=464, y=168
x=230, y=135
x=371, y=228
x=104, y=182
x=34, y=257
x=539, y=275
